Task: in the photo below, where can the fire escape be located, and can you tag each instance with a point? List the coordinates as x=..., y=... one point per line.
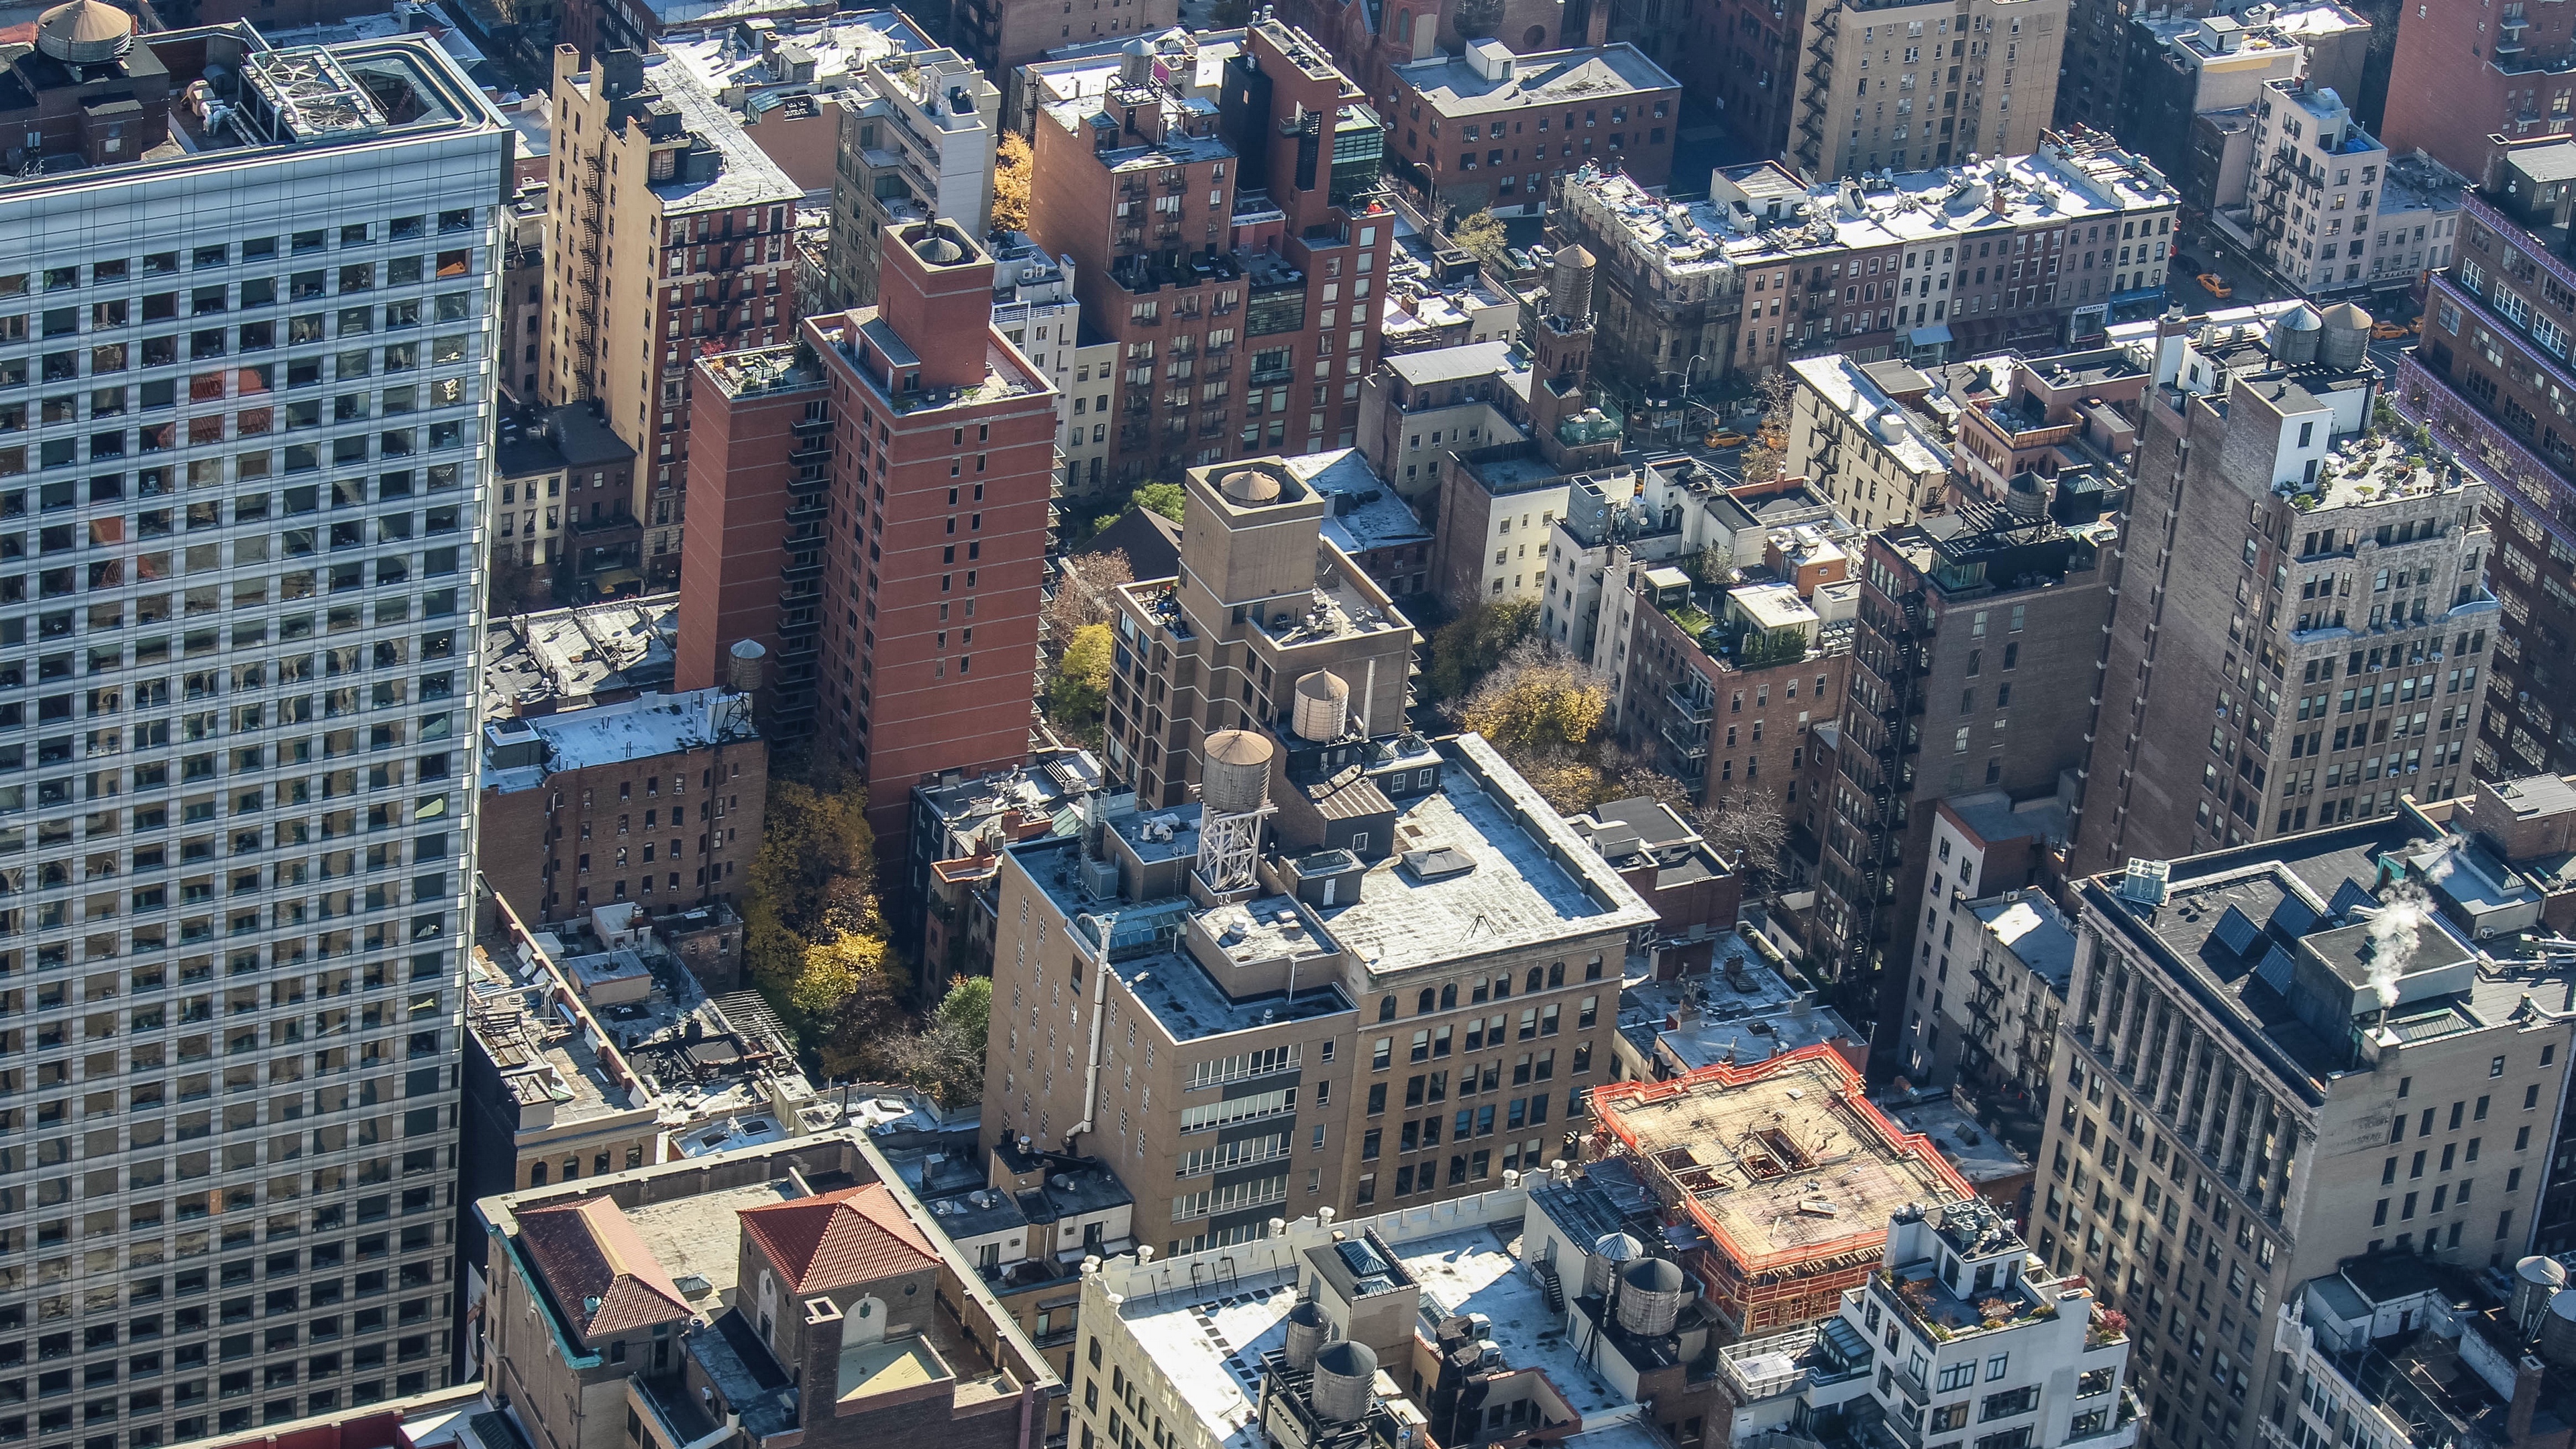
x=1808, y=145
x=1896, y=667
x=591, y=202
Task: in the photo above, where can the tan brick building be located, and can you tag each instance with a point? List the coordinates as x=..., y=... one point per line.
x=668, y=235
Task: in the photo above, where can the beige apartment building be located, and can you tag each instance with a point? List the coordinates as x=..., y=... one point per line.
x=1361, y=974
x=1865, y=433
x=1262, y=604
x=668, y=236
x=2278, y=1057
x=1903, y=87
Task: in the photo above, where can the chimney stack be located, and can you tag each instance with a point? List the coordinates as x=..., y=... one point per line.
x=818, y=1384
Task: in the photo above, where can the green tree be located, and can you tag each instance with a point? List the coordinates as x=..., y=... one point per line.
x=1468, y=647
x=1166, y=499
x=1483, y=235
x=1078, y=687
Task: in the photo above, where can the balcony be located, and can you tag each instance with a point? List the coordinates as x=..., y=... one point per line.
x=1689, y=707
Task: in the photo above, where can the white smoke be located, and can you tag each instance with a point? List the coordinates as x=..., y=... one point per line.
x=2440, y=866
x=2403, y=910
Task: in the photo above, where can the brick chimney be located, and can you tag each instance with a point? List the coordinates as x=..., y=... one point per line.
x=2527, y=1375
x=936, y=292
x=818, y=1383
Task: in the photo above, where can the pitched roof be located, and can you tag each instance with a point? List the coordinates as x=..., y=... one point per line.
x=839, y=1239
x=605, y=1281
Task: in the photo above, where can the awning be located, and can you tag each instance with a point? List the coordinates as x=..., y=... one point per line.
x=610, y=581
x=2137, y=294
x=1936, y=335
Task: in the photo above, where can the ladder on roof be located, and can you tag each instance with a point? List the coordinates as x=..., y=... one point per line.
x=1555, y=1287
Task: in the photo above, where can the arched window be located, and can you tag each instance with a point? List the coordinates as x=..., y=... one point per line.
x=1386, y=1009
x=1422, y=1005
x=1448, y=997
x=536, y=1174
x=1534, y=38
x=1556, y=974
x=1533, y=980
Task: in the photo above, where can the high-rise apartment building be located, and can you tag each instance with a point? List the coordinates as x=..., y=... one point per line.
x=2277, y=1058
x=2454, y=86
x=250, y=381
x=2302, y=625
x=1267, y=617
x=914, y=447
x=930, y=653
x=704, y=218
x=2487, y=378
x=1980, y=631
x=916, y=142
x=1236, y=254
x=1982, y=82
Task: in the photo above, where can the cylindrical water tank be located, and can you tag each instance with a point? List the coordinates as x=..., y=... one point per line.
x=2347, y=336
x=1343, y=1372
x=1612, y=1252
x=1569, y=292
x=1306, y=1332
x=743, y=663
x=2294, y=335
x=1650, y=1297
x=2558, y=1329
x=1249, y=486
x=1323, y=703
x=2535, y=1279
x=1235, y=776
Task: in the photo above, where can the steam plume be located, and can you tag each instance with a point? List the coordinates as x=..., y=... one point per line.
x=2403, y=909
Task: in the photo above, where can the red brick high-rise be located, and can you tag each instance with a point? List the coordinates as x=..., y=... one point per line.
x=1238, y=259
x=907, y=603
x=2469, y=73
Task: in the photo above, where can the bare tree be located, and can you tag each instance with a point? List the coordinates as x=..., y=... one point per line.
x=1745, y=826
x=1082, y=587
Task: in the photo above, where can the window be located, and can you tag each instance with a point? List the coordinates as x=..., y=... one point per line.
x=1996, y=1365
x=2495, y=1068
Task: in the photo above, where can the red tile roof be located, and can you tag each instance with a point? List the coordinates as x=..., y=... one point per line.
x=839, y=1239
x=602, y=1276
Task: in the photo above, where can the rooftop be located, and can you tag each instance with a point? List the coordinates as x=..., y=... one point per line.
x=753, y=371
x=1782, y=1161
x=1753, y=220
x=581, y=1028
x=734, y=61
x=1210, y=1341
x=1954, y=1131
x=1741, y=1010
x=2037, y=934
x=743, y=176
x=275, y=101
x=1529, y=878
x=1459, y=85
x=634, y=729
x=1366, y=513
x=2281, y=938
x=566, y=658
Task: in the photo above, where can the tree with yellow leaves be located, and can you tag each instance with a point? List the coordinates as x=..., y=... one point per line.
x=1013, y=166
x=1542, y=709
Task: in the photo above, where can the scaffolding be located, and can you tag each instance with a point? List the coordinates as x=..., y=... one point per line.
x=1788, y=1170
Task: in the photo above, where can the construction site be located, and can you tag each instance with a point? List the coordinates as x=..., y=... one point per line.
x=1787, y=1169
